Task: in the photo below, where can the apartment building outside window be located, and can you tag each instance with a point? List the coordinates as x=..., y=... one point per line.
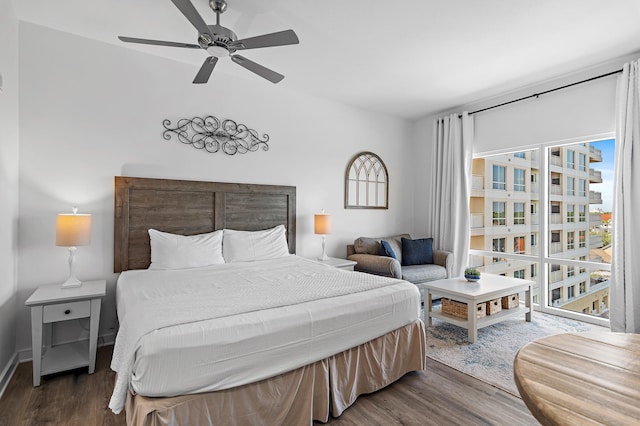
x=571, y=159
x=499, y=181
x=518, y=245
x=570, y=213
x=547, y=228
x=570, y=242
x=499, y=214
x=518, y=180
x=519, y=274
x=518, y=213
x=571, y=186
x=582, y=213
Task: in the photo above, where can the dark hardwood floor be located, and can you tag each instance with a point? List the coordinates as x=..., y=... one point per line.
x=438, y=395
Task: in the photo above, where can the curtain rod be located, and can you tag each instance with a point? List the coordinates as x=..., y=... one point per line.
x=546, y=91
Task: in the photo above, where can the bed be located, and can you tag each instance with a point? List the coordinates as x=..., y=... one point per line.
x=277, y=339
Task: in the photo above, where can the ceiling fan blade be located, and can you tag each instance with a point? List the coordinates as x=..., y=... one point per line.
x=281, y=38
x=205, y=70
x=263, y=72
x=158, y=42
x=190, y=12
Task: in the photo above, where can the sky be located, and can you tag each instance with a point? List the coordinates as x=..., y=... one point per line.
x=606, y=167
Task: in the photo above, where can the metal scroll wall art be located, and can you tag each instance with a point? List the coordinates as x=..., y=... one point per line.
x=213, y=135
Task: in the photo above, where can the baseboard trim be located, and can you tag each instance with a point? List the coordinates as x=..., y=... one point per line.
x=7, y=373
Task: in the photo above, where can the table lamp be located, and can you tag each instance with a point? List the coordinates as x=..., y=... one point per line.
x=322, y=226
x=73, y=230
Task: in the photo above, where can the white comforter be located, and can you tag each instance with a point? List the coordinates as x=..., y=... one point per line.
x=205, y=329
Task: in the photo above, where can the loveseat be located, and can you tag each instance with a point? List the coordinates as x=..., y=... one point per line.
x=387, y=259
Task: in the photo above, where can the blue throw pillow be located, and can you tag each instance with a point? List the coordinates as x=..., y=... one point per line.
x=417, y=252
x=386, y=250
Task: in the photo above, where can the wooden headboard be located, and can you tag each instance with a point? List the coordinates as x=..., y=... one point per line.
x=193, y=207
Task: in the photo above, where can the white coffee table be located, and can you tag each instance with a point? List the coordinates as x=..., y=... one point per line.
x=489, y=287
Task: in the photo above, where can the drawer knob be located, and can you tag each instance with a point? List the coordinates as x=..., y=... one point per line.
x=67, y=312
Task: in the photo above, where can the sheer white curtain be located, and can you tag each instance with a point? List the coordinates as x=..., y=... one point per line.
x=448, y=219
x=625, y=268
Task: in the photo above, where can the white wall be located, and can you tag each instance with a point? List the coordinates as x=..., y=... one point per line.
x=91, y=111
x=8, y=184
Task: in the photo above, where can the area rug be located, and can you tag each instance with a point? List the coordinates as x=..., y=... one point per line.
x=490, y=359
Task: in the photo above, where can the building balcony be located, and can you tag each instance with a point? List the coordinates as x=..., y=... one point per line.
x=555, y=276
x=555, y=189
x=555, y=160
x=555, y=219
x=477, y=182
x=595, y=197
x=595, y=219
x=595, y=176
x=555, y=248
x=595, y=154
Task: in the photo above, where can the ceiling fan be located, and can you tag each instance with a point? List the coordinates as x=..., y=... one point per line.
x=219, y=42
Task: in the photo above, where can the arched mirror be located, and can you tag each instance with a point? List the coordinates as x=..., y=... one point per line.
x=366, y=183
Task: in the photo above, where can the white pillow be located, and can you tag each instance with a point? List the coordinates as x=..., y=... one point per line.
x=247, y=246
x=171, y=251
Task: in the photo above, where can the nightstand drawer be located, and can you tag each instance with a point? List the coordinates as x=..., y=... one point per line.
x=66, y=311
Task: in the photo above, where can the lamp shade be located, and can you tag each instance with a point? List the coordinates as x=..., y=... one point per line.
x=322, y=223
x=73, y=230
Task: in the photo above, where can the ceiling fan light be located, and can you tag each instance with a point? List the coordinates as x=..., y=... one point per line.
x=217, y=51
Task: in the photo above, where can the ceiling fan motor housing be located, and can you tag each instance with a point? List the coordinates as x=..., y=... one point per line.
x=219, y=42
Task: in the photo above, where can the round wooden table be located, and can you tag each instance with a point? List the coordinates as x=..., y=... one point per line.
x=581, y=378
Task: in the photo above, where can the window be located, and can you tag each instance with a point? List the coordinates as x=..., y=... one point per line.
x=518, y=179
x=499, y=245
x=582, y=160
x=570, y=213
x=518, y=213
x=571, y=186
x=499, y=177
x=499, y=216
x=582, y=213
x=571, y=159
x=570, y=243
x=558, y=221
x=582, y=185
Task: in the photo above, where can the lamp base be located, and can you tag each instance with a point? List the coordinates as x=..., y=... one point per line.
x=71, y=282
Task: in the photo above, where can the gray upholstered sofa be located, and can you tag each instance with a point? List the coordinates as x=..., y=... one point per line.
x=367, y=253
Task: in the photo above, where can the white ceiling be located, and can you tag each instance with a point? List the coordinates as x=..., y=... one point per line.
x=407, y=58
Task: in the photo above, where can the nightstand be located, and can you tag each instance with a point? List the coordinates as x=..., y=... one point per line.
x=347, y=265
x=50, y=304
